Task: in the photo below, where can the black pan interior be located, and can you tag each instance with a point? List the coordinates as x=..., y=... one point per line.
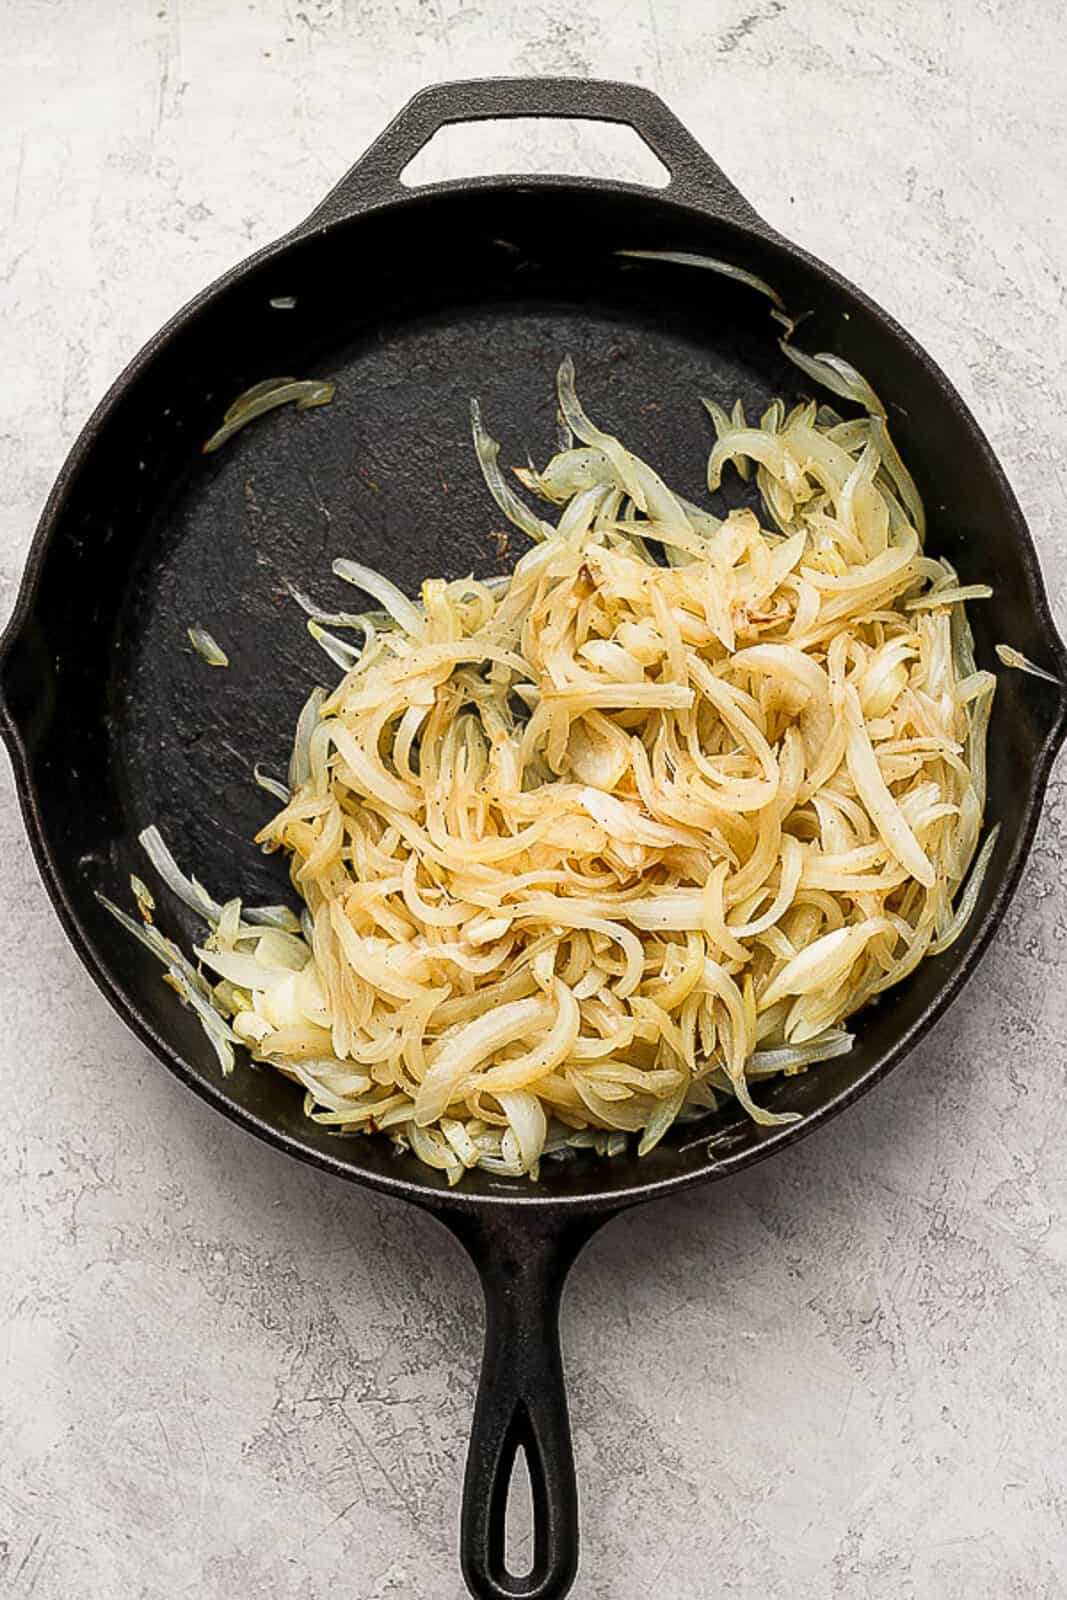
x=412, y=311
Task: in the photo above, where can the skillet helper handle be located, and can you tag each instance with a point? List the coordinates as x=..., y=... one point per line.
x=375, y=178
x=521, y=1404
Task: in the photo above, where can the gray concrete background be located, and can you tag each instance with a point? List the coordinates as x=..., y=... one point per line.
x=843, y=1375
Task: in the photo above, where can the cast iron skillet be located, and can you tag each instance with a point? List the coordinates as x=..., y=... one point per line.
x=414, y=301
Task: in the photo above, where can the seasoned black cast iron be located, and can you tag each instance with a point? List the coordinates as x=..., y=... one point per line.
x=414, y=300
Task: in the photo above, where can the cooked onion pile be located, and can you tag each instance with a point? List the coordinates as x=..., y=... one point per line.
x=639, y=826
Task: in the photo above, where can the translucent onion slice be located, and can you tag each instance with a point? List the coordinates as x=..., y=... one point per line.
x=267, y=396
x=1011, y=657
x=207, y=648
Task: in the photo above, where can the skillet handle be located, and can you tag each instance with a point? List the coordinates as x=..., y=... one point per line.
x=522, y=1401
x=375, y=178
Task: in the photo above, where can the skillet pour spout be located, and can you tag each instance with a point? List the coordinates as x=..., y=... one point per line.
x=109, y=726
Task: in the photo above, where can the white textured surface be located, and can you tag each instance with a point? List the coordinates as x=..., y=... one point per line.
x=222, y=1375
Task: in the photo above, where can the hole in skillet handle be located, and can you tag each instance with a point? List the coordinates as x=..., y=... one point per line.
x=523, y=1255
x=375, y=179
x=534, y=145
x=519, y=1515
